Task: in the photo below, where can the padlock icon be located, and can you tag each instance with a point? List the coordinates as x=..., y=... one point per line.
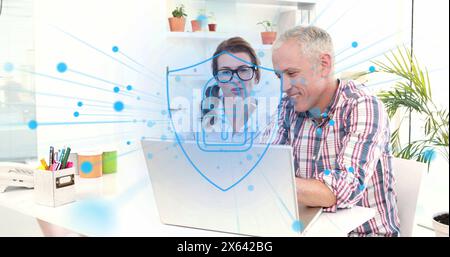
x=217, y=133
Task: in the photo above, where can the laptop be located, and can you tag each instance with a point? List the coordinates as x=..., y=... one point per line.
x=247, y=193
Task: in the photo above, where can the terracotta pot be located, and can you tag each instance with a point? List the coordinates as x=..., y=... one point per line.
x=196, y=25
x=212, y=27
x=177, y=24
x=268, y=37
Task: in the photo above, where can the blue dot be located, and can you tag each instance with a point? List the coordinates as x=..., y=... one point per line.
x=32, y=124
x=249, y=157
x=61, y=67
x=240, y=162
x=324, y=115
x=372, y=69
x=319, y=131
x=195, y=69
x=361, y=187
x=115, y=49
x=331, y=122
x=327, y=172
x=261, y=54
x=138, y=98
x=158, y=93
x=351, y=170
x=218, y=167
x=177, y=78
x=135, y=120
x=149, y=156
x=129, y=87
x=150, y=124
x=251, y=188
x=267, y=82
x=163, y=137
x=297, y=226
x=163, y=112
x=128, y=143
x=116, y=89
x=315, y=112
x=76, y=114
x=86, y=167
x=429, y=155
x=8, y=67
x=80, y=104
x=118, y=106
x=355, y=44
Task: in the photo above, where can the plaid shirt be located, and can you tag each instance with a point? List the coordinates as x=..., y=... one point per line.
x=349, y=151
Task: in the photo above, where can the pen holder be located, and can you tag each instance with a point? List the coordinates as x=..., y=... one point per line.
x=90, y=164
x=54, y=188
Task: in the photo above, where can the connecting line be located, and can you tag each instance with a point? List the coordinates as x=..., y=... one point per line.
x=130, y=94
x=340, y=17
x=156, y=77
x=66, y=80
x=320, y=14
x=341, y=52
x=55, y=95
x=279, y=199
x=100, y=51
x=369, y=46
x=365, y=60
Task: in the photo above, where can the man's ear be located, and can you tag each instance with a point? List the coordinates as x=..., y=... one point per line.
x=326, y=64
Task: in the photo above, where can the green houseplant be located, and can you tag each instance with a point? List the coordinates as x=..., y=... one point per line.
x=178, y=21
x=412, y=94
x=269, y=35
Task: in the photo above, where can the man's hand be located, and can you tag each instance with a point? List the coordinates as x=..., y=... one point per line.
x=314, y=193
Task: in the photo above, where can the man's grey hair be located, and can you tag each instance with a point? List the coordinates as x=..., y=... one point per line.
x=312, y=40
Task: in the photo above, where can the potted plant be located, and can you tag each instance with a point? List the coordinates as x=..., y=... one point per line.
x=196, y=25
x=178, y=21
x=269, y=35
x=412, y=95
x=212, y=25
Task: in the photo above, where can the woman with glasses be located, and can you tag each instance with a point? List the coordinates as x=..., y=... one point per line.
x=228, y=104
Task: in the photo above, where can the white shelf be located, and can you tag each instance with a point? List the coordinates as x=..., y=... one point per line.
x=269, y=2
x=199, y=35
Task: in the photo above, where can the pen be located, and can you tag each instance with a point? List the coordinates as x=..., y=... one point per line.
x=62, y=154
x=65, y=158
x=50, y=157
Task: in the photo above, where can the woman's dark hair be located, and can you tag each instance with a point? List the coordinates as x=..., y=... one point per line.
x=236, y=45
x=232, y=45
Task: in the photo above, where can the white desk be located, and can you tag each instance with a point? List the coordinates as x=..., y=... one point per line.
x=122, y=204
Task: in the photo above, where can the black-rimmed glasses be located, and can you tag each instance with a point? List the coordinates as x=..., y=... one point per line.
x=244, y=73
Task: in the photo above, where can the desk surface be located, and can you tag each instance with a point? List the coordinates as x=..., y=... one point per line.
x=122, y=204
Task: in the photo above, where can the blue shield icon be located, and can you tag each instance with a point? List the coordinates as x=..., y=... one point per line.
x=221, y=116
